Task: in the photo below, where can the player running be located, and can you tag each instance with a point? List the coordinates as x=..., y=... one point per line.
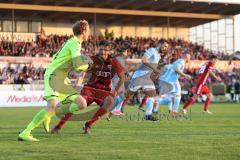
x=165, y=61
x=201, y=88
x=121, y=56
x=98, y=88
x=141, y=78
x=68, y=58
x=171, y=76
x=164, y=98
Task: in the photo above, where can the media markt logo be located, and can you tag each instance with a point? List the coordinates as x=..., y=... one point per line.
x=24, y=99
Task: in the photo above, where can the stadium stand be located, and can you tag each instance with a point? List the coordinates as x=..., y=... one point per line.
x=47, y=46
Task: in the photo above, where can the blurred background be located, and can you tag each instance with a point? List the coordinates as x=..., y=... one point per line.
x=32, y=31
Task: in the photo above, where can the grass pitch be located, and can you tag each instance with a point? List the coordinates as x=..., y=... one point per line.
x=213, y=137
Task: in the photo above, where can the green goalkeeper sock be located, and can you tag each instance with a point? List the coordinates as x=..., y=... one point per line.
x=37, y=120
x=74, y=108
x=67, y=108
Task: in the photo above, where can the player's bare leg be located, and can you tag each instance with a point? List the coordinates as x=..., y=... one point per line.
x=207, y=102
x=190, y=101
x=128, y=95
x=122, y=100
x=107, y=105
x=143, y=103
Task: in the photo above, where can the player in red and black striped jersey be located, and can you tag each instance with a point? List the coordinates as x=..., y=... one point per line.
x=102, y=72
x=201, y=88
x=98, y=88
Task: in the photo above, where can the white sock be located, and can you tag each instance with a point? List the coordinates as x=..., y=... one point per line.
x=176, y=103
x=149, y=105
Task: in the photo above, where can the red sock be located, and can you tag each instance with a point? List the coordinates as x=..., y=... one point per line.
x=125, y=101
x=207, y=102
x=144, y=100
x=191, y=101
x=97, y=116
x=64, y=120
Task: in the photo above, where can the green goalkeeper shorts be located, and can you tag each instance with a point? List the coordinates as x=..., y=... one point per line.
x=58, y=86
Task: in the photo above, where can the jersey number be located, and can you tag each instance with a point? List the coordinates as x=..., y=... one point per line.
x=202, y=69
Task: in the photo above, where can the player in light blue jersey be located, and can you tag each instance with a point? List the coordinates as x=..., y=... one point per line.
x=141, y=78
x=174, y=71
x=150, y=56
x=163, y=99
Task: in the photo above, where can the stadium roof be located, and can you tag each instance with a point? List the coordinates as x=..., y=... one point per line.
x=215, y=1
x=181, y=13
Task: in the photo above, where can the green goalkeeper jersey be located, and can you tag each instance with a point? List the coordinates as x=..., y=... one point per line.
x=68, y=58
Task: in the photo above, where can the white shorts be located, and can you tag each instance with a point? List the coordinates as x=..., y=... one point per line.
x=143, y=82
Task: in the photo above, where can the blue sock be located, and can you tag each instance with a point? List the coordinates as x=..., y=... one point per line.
x=119, y=106
x=162, y=101
x=149, y=105
x=169, y=103
x=176, y=103
x=118, y=102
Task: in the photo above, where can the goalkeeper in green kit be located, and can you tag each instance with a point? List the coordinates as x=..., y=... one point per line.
x=56, y=90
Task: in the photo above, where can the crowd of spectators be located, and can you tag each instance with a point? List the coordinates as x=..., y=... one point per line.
x=46, y=46
x=19, y=74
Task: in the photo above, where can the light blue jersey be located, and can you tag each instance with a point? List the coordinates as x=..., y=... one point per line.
x=166, y=68
x=153, y=57
x=170, y=75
